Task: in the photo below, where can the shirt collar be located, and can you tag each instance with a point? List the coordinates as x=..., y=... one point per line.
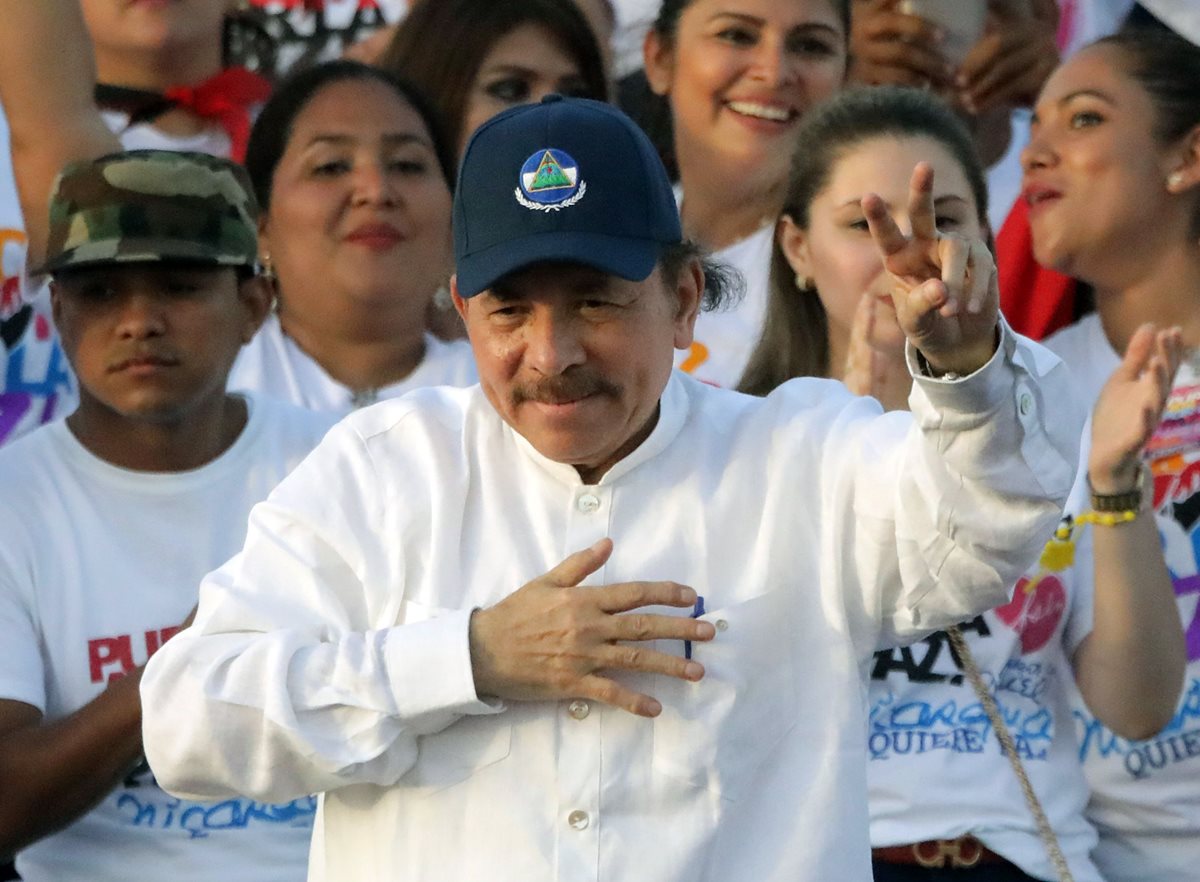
x=672, y=412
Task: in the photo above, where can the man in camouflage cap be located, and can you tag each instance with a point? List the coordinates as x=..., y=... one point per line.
x=160, y=224
x=142, y=490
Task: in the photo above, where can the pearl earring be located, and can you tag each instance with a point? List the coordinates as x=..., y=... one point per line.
x=1174, y=180
x=804, y=283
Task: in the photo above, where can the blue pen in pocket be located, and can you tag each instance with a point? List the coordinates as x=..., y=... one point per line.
x=697, y=612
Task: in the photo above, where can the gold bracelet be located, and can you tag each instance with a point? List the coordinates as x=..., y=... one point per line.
x=1107, y=518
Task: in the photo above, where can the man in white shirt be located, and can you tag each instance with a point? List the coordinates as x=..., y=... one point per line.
x=677, y=690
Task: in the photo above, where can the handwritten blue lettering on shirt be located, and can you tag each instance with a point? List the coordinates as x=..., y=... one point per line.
x=913, y=721
x=141, y=803
x=156, y=810
x=1178, y=742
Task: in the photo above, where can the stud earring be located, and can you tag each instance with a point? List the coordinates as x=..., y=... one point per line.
x=1174, y=180
x=268, y=268
x=804, y=283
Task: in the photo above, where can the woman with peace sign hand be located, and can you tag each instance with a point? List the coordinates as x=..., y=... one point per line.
x=944, y=286
x=884, y=243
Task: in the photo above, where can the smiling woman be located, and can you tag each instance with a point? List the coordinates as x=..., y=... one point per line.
x=739, y=75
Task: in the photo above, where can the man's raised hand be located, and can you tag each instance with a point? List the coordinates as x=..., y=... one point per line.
x=944, y=286
x=552, y=639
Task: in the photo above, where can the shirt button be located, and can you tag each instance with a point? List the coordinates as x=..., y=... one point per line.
x=588, y=503
x=578, y=820
x=579, y=709
x=1025, y=403
x=721, y=625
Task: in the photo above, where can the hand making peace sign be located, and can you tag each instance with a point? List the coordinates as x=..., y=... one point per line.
x=944, y=287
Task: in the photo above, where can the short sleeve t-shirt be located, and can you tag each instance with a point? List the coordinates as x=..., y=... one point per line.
x=92, y=586
x=1146, y=794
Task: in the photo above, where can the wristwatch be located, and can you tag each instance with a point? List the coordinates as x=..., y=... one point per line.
x=1130, y=500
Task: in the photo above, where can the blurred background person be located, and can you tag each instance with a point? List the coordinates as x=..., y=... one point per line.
x=353, y=176
x=164, y=80
x=988, y=67
x=505, y=54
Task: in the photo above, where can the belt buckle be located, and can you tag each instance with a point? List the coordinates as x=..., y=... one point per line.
x=963, y=853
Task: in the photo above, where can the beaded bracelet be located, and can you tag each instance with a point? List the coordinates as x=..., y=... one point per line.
x=1059, y=552
x=1107, y=518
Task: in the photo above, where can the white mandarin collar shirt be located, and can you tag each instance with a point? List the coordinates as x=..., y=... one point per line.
x=332, y=653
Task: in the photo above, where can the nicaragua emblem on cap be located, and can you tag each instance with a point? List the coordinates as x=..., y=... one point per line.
x=550, y=181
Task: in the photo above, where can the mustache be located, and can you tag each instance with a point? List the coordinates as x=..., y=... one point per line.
x=564, y=388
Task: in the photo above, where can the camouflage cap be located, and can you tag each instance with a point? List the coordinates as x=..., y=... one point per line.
x=145, y=206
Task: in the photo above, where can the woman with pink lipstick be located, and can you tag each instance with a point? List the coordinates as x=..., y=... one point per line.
x=353, y=177
x=739, y=75
x=944, y=802
x=1112, y=178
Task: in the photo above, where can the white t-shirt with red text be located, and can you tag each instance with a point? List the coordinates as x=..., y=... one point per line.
x=98, y=566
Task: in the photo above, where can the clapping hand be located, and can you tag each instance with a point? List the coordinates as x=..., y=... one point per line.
x=1130, y=407
x=944, y=286
x=865, y=365
x=875, y=355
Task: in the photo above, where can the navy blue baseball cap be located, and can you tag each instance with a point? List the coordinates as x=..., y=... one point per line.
x=568, y=179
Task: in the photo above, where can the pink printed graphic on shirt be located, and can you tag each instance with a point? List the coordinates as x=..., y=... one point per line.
x=1034, y=612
